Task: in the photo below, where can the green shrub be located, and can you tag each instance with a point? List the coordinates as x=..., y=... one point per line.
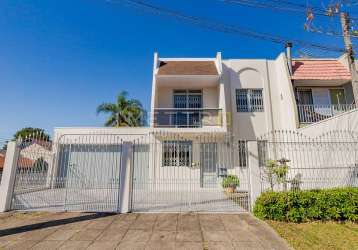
x=230, y=181
x=327, y=204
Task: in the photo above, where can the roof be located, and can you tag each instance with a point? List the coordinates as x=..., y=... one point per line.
x=45, y=144
x=23, y=162
x=325, y=69
x=187, y=68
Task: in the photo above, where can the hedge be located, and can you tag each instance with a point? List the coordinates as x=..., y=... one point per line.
x=339, y=204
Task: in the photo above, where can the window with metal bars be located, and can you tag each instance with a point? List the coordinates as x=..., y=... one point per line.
x=249, y=100
x=177, y=153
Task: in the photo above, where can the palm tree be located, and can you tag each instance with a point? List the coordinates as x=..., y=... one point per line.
x=124, y=113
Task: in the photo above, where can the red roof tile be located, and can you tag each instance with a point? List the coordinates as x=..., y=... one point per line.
x=22, y=163
x=319, y=70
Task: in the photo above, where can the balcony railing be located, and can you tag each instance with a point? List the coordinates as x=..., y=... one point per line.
x=187, y=118
x=315, y=113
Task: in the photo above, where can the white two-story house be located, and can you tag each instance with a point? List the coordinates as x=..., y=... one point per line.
x=197, y=102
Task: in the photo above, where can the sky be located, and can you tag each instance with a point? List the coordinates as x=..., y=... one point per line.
x=60, y=59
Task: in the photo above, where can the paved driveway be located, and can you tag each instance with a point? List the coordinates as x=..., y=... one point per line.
x=135, y=231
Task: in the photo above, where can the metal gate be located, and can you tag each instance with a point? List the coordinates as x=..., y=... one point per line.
x=176, y=173
x=77, y=173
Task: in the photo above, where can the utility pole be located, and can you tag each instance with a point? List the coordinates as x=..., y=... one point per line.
x=345, y=22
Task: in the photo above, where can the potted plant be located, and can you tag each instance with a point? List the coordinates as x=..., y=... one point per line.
x=230, y=183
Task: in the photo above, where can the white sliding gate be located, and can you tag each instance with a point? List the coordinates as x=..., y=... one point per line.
x=78, y=173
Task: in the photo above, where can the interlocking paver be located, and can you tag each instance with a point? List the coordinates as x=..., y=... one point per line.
x=138, y=235
x=47, y=244
x=20, y=244
x=216, y=236
x=188, y=246
x=112, y=235
x=166, y=222
x=86, y=235
x=250, y=245
x=130, y=245
x=62, y=234
x=100, y=223
x=189, y=236
x=163, y=236
x=75, y=245
x=103, y=245
x=160, y=245
x=220, y=246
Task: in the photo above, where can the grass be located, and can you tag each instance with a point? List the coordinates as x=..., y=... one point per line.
x=318, y=235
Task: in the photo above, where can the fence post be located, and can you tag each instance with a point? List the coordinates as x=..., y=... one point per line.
x=254, y=171
x=125, y=181
x=8, y=176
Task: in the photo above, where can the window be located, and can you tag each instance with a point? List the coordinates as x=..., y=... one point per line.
x=187, y=99
x=177, y=153
x=242, y=153
x=249, y=100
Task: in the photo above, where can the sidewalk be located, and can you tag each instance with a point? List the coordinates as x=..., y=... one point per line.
x=135, y=231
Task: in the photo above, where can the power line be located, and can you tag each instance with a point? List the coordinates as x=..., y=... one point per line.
x=292, y=7
x=220, y=27
x=285, y=6
x=267, y=5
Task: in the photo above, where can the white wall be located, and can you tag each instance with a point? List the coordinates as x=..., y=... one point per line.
x=247, y=74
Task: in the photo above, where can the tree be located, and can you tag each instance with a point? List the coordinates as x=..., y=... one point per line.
x=40, y=165
x=32, y=133
x=124, y=113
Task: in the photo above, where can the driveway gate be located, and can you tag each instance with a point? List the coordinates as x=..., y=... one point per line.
x=78, y=173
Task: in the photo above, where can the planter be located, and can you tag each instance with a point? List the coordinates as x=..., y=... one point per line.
x=230, y=189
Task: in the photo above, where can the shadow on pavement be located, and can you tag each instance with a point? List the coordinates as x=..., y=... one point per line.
x=52, y=223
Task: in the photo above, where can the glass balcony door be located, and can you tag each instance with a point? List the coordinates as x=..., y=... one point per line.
x=187, y=104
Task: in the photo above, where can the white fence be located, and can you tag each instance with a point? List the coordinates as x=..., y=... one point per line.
x=328, y=161
x=171, y=172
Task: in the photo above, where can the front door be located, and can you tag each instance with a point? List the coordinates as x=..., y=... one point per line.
x=208, y=166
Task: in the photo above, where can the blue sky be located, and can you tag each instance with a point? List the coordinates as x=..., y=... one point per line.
x=60, y=59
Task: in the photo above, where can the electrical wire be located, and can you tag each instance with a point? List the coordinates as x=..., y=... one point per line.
x=220, y=27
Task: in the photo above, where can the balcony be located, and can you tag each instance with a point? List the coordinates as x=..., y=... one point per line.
x=310, y=113
x=187, y=118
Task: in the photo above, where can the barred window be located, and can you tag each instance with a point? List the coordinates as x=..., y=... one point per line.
x=177, y=153
x=249, y=100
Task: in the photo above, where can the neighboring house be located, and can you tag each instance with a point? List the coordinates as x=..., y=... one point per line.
x=23, y=163
x=37, y=149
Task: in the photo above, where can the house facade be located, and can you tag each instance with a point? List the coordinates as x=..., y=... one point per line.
x=207, y=119
x=203, y=113
x=248, y=97
x=198, y=103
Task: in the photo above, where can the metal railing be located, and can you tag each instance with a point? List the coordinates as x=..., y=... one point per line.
x=310, y=113
x=187, y=118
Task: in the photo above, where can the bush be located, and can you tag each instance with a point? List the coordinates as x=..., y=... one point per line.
x=231, y=181
x=327, y=204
